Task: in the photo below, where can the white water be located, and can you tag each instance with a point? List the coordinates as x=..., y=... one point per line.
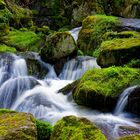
x=122, y=102
x=74, y=32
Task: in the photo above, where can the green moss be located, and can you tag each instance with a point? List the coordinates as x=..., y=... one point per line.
x=98, y=85
x=124, y=34
x=4, y=48
x=93, y=29
x=43, y=130
x=74, y=128
x=23, y=40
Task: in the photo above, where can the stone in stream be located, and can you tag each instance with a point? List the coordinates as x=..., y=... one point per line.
x=73, y=128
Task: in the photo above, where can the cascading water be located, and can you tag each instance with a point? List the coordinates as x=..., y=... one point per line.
x=24, y=93
x=123, y=100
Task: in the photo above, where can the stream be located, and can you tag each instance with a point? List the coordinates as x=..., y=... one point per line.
x=24, y=93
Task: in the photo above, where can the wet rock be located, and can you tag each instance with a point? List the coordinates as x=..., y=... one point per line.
x=58, y=45
x=15, y=125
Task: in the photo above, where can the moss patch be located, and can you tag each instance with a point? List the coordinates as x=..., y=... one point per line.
x=23, y=40
x=74, y=128
x=4, y=48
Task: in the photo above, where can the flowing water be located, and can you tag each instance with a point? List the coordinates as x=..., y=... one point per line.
x=24, y=93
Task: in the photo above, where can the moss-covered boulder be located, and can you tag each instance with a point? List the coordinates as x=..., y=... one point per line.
x=58, y=45
x=74, y=128
x=23, y=40
x=100, y=88
x=15, y=126
x=119, y=49
x=93, y=28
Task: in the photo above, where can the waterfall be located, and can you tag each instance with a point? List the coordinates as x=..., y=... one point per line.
x=74, y=32
x=122, y=102
x=75, y=68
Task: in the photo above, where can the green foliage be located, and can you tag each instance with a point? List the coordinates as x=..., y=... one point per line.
x=23, y=40
x=4, y=48
x=73, y=128
x=44, y=130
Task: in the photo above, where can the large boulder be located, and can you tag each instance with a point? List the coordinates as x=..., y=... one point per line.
x=93, y=29
x=74, y=128
x=119, y=49
x=17, y=126
x=100, y=88
x=58, y=45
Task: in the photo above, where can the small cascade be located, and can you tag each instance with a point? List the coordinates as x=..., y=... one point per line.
x=44, y=102
x=75, y=68
x=74, y=32
x=122, y=102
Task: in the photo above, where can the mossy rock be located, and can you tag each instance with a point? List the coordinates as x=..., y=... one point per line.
x=23, y=40
x=58, y=45
x=5, y=48
x=93, y=29
x=123, y=48
x=74, y=128
x=100, y=88
x=15, y=125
